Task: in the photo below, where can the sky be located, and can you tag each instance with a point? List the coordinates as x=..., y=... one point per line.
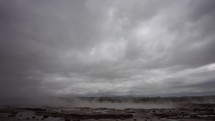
x=107, y=47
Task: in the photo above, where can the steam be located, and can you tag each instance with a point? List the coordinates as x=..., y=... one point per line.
x=105, y=102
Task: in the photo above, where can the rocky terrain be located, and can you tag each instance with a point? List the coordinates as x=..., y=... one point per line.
x=181, y=112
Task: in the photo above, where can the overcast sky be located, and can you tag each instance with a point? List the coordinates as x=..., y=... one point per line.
x=107, y=47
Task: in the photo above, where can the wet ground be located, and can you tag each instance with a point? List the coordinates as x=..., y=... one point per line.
x=181, y=112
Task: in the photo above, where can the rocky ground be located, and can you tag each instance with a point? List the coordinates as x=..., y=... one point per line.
x=182, y=112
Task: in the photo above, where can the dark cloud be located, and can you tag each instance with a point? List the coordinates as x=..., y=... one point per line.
x=89, y=47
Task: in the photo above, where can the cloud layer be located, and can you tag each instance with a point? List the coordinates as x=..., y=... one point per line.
x=93, y=47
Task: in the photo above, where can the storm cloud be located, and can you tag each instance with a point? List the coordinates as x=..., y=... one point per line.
x=108, y=47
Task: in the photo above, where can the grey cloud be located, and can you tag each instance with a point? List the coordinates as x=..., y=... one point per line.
x=105, y=48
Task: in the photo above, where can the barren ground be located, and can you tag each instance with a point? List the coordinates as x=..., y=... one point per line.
x=182, y=112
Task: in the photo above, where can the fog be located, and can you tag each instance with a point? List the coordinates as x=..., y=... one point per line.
x=74, y=102
x=123, y=105
x=140, y=102
x=106, y=102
